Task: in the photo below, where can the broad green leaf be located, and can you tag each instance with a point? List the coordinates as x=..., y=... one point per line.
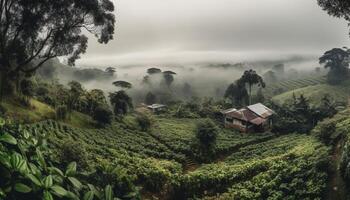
x=71, y=169
x=16, y=159
x=55, y=170
x=8, y=139
x=76, y=183
x=20, y=187
x=26, y=134
x=108, y=192
x=48, y=182
x=59, y=191
x=41, y=158
x=22, y=166
x=47, y=195
x=95, y=191
x=34, y=169
x=71, y=195
x=89, y=195
x=35, y=180
x=5, y=160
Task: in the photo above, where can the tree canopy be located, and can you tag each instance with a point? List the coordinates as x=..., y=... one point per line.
x=122, y=84
x=33, y=32
x=250, y=77
x=336, y=8
x=153, y=70
x=337, y=60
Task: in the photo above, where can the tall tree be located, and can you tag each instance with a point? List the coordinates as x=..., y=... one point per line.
x=95, y=98
x=153, y=70
x=121, y=102
x=33, y=32
x=237, y=94
x=110, y=70
x=336, y=8
x=251, y=78
x=337, y=60
x=122, y=84
x=75, y=92
x=120, y=99
x=168, y=77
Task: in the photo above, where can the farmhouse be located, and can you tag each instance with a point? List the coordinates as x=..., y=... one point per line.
x=253, y=118
x=157, y=108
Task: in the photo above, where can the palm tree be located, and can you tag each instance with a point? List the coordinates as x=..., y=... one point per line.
x=251, y=78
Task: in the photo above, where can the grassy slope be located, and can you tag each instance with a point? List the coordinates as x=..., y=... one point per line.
x=39, y=111
x=316, y=93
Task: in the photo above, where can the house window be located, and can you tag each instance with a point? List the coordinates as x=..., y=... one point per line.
x=244, y=123
x=229, y=120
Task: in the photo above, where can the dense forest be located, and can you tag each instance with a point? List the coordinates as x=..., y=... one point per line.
x=164, y=131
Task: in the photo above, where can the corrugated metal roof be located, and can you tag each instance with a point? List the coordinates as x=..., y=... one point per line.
x=261, y=110
x=243, y=114
x=228, y=110
x=155, y=106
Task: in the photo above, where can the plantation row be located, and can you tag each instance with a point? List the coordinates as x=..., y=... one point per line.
x=178, y=135
x=284, y=86
x=130, y=150
x=269, y=148
x=153, y=161
x=276, y=176
x=297, y=175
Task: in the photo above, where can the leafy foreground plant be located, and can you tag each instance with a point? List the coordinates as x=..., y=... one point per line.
x=26, y=174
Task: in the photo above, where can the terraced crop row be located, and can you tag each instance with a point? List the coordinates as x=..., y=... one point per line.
x=285, y=86
x=179, y=133
x=263, y=173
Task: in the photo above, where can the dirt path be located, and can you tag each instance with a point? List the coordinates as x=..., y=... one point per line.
x=336, y=185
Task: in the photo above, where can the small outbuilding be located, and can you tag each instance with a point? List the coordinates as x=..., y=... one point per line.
x=157, y=108
x=253, y=118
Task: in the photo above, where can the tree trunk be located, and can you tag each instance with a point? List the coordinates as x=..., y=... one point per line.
x=250, y=94
x=2, y=83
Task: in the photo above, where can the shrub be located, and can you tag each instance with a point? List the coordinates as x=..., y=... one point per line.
x=102, y=115
x=118, y=178
x=326, y=132
x=205, y=139
x=61, y=112
x=144, y=120
x=72, y=151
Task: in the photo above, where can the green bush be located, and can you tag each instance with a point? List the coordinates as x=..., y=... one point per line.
x=118, y=178
x=144, y=120
x=205, y=140
x=72, y=151
x=102, y=115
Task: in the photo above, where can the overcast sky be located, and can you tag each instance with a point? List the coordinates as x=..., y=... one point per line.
x=155, y=31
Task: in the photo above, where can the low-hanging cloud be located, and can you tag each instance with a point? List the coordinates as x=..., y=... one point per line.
x=168, y=31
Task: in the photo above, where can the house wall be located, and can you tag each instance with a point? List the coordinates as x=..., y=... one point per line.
x=236, y=124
